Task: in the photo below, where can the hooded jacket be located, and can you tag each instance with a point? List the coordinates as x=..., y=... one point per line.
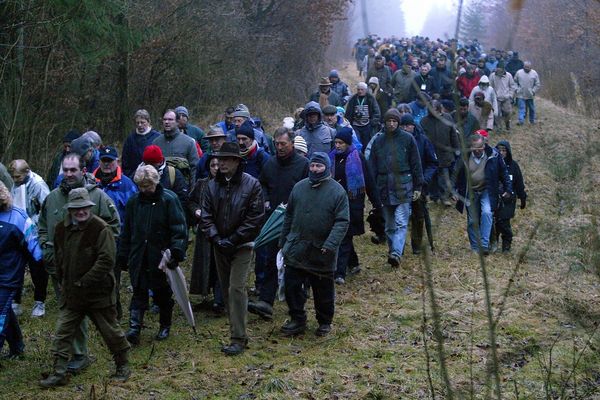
x=507, y=209
x=318, y=136
x=33, y=193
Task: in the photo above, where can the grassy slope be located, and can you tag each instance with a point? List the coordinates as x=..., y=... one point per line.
x=376, y=349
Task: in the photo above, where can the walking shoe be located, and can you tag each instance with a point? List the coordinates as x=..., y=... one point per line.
x=293, y=327
x=393, y=260
x=354, y=270
x=233, y=349
x=261, y=308
x=17, y=309
x=486, y=251
x=78, y=363
x=163, y=333
x=447, y=202
x=39, y=309
x=339, y=280
x=323, y=330
x=54, y=380
x=122, y=373
x=520, y=123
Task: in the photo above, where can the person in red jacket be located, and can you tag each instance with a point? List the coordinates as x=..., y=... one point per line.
x=467, y=81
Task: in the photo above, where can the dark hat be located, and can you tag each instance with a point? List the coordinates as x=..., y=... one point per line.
x=321, y=158
x=81, y=145
x=182, y=110
x=345, y=135
x=334, y=73
x=245, y=129
x=71, y=135
x=329, y=109
x=463, y=101
x=407, y=119
x=109, y=152
x=229, y=149
x=324, y=82
x=79, y=198
x=392, y=113
x=153, y=155
x=448, y=104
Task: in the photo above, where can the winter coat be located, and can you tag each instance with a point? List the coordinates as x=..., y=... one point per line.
x=85, y=263
x=489, y=96
x=465, y=85
x=254, y=163
x=401, y=85
x=418, y=111
x=440, y=131
x=354, y=107
x=153, y=223
x=508, y=206
x=356, y=205
x=470, y=124
x=384, y=74
x=442, y=82
x=119, y=189
x=513, y=65
x=233, y=209
x=30, y=195
x=316, y=217
x=420, y=84
x=279, y=176
x=528, y=84
x=53, y=212
x=342, y=90
x=179, y=145
x=396, y=166
x=318, y=137
x=197, y=134
x=334, y=99
x=195, y=198
x=504, y=85
x=429, y=159
x=496, y=177
x=18, y=245
x=133, y=149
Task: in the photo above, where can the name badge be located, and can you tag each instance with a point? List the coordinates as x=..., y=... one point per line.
x=423, y=86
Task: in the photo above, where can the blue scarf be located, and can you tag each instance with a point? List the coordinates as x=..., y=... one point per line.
x=355, y=178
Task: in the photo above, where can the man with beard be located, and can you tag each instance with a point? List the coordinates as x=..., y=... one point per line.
x=53, y=212
x=277, y=178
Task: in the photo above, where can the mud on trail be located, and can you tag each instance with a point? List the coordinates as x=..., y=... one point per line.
x=544, y=298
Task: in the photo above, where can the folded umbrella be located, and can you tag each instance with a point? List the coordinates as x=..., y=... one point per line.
x=272, y=228
x=178, y=286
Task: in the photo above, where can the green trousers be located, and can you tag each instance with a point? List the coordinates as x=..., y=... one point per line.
x=233, y=275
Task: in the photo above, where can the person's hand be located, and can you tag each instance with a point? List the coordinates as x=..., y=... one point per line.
x=416, y=195
x=226, y=246
x=454, y=198
x=267, y=205
x=523, y=203
x=172, y=264
x=506, y=195
x=324, y=251
x=198, y=213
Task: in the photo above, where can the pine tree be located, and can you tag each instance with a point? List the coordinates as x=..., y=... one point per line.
x=473, y=21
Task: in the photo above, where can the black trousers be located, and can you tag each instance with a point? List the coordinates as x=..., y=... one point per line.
x=39, y=278
x=268, y=291
x=162, y=296
x=504, y=230
x=323, y=293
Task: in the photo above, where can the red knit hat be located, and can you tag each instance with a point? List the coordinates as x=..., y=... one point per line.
x=483, y=133
x=153, y=155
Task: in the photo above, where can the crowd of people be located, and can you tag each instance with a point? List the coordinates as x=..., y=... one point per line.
x=410, y=134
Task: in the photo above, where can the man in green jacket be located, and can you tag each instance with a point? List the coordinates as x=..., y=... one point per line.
x=316, y=220
x=52, y=213
x=85, y=259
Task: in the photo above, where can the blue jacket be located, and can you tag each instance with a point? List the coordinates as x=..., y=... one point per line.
x=259, y=136
x=18, y=245
x=496, y=179
x=133, y=149
x=120, y=189
x=254, y=165
x=418, y=112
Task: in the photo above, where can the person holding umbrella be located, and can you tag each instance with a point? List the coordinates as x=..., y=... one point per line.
x=232, y=213
x=154, y=222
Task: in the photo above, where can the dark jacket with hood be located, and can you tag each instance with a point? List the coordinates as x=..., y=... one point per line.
x=153, y=223
x=507, y=206
x=232, y=209
x=318, y=136
x=497, y=180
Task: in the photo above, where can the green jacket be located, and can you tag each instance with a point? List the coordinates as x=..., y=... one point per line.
x=315, y=218
x=85, y=260
x=53, y=212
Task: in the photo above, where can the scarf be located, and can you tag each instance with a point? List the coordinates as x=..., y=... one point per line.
x=249, y=152
x=355, y=178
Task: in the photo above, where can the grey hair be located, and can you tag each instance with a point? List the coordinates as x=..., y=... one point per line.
x=146, y=173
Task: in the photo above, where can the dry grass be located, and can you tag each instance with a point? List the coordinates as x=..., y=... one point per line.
x=546, y=334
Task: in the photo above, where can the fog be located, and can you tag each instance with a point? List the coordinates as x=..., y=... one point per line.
x=433, y=18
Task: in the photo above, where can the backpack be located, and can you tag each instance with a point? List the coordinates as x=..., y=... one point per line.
x=182, y=164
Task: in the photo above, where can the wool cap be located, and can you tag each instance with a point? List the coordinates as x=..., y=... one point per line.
x=300, y=144
x=245, y=129
x=392, y=113
x=345, y=135
x=182, y=110
x=153, y=155
x=407, y=119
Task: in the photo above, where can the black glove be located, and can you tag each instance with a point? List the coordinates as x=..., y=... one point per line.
x=172, y=264
x=226, y=246
x=523, y=203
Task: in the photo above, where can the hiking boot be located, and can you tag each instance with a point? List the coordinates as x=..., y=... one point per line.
x=122, y=373
x=261, y=308
x=54, y=380
x=39, y=309
x=233, y=349
x=136, y=320
x=78, y=363
x=323, y=330
x=393, y=260
x=17, y=309
x=508, y=126
x=163, y=333
x=485, y=251
x=339, y=280
x=293, y=327
x=377, y=239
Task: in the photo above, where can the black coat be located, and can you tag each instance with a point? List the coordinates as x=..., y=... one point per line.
x=506, y=209
x=279, y=176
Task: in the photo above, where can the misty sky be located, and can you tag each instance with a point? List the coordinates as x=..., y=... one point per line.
x=434, y=18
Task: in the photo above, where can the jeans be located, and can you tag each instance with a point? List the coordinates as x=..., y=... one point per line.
x=396, y=224
x=479, y=220
x=345, y=254
x=526, y=105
